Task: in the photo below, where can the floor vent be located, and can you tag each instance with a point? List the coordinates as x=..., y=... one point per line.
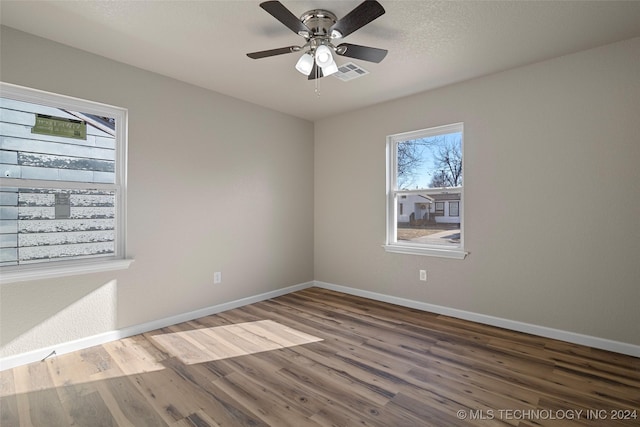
x=350, y=71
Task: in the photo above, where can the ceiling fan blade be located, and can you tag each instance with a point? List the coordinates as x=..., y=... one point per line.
x=273, y=52
x=366, y=12
x=316, y=72
x=371, y=54
x=284, y=15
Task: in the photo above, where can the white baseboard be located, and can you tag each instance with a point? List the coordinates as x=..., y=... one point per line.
x=543, y=331
x=80, y=344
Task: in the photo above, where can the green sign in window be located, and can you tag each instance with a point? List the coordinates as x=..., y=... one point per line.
x=58, y=126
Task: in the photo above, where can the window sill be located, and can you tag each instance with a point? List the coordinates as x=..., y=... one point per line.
x=426, y=251
x=62, y=269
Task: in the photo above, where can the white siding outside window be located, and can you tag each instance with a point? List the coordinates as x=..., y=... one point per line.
x=63, y=185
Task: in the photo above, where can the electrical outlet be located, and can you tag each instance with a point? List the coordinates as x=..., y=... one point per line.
x=423, y=275
x=217, y=277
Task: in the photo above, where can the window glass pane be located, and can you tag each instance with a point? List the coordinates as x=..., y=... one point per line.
x=430, y=162
x=430, y=219
x=46, y=143
x=52, y=224
x=454, y=208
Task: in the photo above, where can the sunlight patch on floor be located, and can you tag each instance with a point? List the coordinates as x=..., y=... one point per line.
x=222, y=342
x=131, y=356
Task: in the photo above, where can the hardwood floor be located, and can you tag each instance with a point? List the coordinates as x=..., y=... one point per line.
x=322, y=358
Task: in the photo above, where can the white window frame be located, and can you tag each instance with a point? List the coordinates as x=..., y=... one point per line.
x=393, y=194
x=63, y=268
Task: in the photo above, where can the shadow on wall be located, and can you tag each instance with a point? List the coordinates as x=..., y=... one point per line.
x=59, y=310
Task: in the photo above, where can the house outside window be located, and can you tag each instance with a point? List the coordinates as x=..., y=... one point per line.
x=62, y=193
x=425, y=171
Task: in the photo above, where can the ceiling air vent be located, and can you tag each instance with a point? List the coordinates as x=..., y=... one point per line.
x=350, y=71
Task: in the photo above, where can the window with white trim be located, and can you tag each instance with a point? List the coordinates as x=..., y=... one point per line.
x=62, y=194
x=425, y=170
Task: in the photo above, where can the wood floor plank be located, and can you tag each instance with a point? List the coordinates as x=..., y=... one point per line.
x=133, y=404
x=332, y=391
x=73, y=368
x=200, y=419
x=131, y=358
x=423, y=376
x=113, y=405
x=274, y=410
x=34, y=383
x=320, y=358
x=167, y=394
x=272, y=373
x=264, y=371
x=9, y=415
x=428, y=409
x=86, y=408
x=219, y=405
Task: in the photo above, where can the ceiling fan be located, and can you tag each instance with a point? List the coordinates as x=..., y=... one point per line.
x=320, y=28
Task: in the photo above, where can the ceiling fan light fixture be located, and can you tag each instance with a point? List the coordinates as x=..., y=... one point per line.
x=325, y=60
x=305, y=64
x=319, y=27
x=323, y=56
x=329, y=69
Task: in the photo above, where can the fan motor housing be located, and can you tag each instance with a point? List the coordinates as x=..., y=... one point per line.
x=319, y=21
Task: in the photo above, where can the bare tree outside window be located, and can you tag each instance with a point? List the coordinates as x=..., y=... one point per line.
x=411, y=158
x=432, y=162
x=448, y=160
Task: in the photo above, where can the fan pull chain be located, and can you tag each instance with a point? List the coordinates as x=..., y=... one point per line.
x=317, y=82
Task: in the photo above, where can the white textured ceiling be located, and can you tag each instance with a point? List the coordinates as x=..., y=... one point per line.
x=430, y=43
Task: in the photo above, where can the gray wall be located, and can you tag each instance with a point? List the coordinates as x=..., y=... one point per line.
x=215, y=184
x=552, y=195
